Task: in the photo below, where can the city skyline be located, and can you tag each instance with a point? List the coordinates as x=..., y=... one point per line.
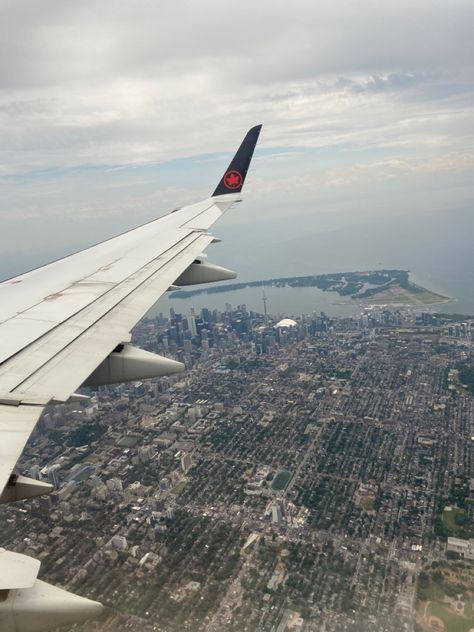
x=294, y=476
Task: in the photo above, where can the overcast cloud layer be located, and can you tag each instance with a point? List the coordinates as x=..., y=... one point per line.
x=112, y=112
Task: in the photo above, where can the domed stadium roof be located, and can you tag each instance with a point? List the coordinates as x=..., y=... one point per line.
x=286, y=322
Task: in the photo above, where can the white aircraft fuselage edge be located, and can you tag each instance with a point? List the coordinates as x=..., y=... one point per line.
x=67, y=325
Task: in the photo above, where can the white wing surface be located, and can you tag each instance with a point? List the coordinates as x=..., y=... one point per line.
x=60, y=322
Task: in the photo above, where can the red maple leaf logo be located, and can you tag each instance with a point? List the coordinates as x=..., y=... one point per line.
x=232, y=179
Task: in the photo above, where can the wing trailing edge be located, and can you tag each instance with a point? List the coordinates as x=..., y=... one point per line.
x=62, y=325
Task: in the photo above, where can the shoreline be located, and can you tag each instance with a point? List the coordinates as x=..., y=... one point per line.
x=386, y=287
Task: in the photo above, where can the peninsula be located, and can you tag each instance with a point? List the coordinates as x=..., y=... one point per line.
x=373, y=286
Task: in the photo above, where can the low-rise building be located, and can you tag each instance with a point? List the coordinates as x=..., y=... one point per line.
x=464, y=548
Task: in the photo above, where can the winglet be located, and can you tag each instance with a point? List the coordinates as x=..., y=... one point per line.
x=233, y=179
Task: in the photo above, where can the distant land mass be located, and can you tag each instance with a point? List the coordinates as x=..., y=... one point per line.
x=370, y=287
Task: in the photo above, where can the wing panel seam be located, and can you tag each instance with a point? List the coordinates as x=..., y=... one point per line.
x=22, y=315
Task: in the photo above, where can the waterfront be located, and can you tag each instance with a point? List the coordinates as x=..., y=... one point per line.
x=286, y=301
x=436, y=248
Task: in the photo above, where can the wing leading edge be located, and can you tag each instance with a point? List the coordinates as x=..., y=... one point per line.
x=66, y=322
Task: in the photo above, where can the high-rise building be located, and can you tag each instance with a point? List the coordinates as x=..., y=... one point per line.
x=52, y=474
x=119, y=542
x=265, y=310
x=146, y=453
x=277, y=514
x=34, y=472
x=114, y=485
x=186, y=461
x=192, y=325
x=45, y=503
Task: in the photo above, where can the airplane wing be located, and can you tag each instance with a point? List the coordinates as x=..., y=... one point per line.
x=68, y=323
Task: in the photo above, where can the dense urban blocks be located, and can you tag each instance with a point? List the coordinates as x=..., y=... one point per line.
x=294, y=479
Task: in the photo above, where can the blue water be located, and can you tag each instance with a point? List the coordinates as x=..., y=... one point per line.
x=283, y=301
x=438, y=249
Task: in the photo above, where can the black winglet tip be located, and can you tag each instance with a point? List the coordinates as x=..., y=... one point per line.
x=254, y=133
x=233, y=179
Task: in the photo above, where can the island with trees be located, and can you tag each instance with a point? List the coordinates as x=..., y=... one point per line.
x=373, y=286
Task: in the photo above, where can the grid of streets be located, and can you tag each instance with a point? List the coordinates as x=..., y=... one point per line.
x=291, y=479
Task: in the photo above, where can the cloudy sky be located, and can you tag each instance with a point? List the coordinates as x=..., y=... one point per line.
x=114, y=112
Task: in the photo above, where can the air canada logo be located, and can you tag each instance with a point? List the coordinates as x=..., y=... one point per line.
x=233, y=180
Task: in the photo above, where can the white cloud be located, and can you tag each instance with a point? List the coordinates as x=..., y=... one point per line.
x=350, y=93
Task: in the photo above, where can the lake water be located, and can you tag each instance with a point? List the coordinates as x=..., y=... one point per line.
x=437, y=249
x=281, y=301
